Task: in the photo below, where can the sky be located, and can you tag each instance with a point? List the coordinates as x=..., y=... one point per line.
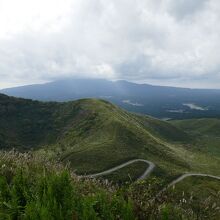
x=162, y=42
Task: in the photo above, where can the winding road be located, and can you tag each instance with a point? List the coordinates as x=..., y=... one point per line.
x=148, y=171
x=143, y=176
x=191, y=174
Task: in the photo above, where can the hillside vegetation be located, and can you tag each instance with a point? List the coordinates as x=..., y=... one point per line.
x=60, y=140
x=32, y=187
x=203, y=126
x=94, y=135
x=205, y=133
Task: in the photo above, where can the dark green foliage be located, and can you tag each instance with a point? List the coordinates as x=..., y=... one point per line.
x=32, y=188
x=89, y=134
x=26, y=123
x=48, y=192
x=45, y=197
x=185, y=201
x=93, y=135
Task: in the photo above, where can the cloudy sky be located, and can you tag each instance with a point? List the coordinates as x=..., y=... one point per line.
x=165, y=42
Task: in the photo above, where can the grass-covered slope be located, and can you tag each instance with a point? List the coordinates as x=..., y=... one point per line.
x=93, y=135
x=197, y=193
x=164, y=130
x=28, y=124
x=32, y=187
x=203, y=126
x=108, y=136
x=204, y=132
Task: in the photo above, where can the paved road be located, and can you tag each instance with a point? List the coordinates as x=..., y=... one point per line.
x=148, y=171
x=144, y=175
x=179, y=179
x=188, y=175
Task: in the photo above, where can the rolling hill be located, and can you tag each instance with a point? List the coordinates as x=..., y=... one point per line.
x=206, y=133
x=202, y=126
x=93, y=135
x=159, y=101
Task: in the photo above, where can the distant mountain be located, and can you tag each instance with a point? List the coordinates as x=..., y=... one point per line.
x=159, y=101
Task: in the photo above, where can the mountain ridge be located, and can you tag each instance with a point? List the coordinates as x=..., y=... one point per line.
x=158, y=101
x=94, y=135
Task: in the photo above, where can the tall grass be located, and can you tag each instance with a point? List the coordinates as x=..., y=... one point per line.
x=31, y=187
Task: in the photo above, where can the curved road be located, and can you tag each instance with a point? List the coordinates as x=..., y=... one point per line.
x=182, y=177
x=148, y=171
x=188, y=175
x=144, y=175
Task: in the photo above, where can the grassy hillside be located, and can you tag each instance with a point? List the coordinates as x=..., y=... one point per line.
x=202, y=126
x=198, y=193
x=28, y=124
x=93, y=135
x=32, y=187
x=204, y=132
x=164, y=130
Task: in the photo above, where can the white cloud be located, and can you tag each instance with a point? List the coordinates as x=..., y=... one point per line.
x=158, y=41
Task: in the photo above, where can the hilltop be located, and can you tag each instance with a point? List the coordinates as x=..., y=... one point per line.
x=59, y=141
x=158, y=101
x=85, y=132
x=93, y=135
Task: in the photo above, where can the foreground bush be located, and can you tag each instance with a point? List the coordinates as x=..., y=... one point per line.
x=33, y=188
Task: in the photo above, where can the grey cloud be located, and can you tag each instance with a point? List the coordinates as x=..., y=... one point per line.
x=185, y=8
x=121, y=39
x=135, y=68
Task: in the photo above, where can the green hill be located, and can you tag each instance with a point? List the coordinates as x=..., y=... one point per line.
x=203, y=126
x=93, y=135
x=204, y=132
